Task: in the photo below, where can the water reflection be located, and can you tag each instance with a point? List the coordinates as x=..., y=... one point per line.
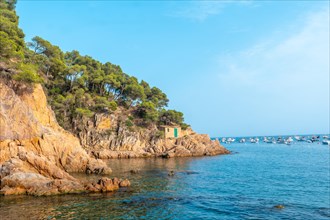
x=151, y=193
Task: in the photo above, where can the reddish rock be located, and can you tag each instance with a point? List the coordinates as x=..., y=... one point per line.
x=125, y=183
x=12, y=191
x=115, y=181
x=107, y=185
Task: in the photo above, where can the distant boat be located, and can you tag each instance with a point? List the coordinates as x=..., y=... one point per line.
x=298, y=138
x=313, y=139
x=326, y=142
x=254, y=140
x=279, y=140
x=316, y=138
x=230, y=140
x=289, y=139
x=242, y=140
x=267, y=140
x=286, y=141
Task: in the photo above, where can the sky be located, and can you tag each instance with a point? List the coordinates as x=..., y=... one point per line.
x=234, y=68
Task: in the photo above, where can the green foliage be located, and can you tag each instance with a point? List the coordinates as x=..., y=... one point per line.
x=84, y=112
x=8, y=48
x=112, y=105
x=8, y=4
x=184, y=126
x=129, y=123
x=11, y=36
x=48, y=57
x=154, y=95
x=41, y=46
x=168, y=117
x=160, y=134
x=133, y=91
x=27, y=73
x=158, y=97
x=101, y=103
x=147, y=111
x=130, y=117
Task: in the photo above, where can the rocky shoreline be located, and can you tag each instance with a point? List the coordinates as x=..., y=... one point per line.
x=37, y=155
x=106, y=136
x=189, y=149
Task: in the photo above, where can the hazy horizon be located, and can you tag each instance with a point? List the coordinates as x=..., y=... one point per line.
x=234, y=68
x=274, y=135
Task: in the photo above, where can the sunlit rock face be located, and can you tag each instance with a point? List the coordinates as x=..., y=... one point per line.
x=36, y=154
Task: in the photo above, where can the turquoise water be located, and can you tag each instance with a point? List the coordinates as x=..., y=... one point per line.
x=244, y=185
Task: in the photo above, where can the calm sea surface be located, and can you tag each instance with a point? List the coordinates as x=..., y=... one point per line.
x=244, y=185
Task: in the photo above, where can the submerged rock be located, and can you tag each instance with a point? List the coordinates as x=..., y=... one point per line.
x=107, y=185
x=135, y=171
x=171, y=173
x=279, y=206
x=125, y=183
x=189, y=172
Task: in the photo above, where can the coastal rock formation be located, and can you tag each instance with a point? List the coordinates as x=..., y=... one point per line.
x=106, y=136
x=107, y=185
x=36, y=154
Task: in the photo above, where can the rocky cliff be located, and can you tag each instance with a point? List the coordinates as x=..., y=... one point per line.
x=36, y=154
x=107, y=136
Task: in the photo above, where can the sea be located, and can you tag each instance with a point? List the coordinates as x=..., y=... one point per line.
x=255, y=181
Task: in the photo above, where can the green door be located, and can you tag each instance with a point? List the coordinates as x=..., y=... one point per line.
x=175, y=132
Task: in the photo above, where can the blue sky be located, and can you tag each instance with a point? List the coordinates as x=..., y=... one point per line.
x=235, y=68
